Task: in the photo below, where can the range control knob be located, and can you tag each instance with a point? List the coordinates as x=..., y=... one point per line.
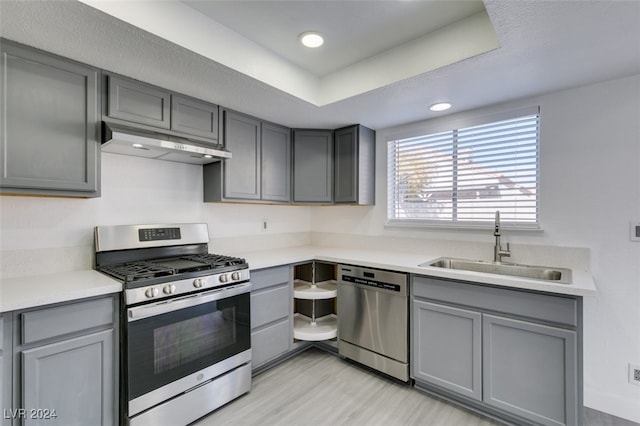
x=223, y=278
x=198, y=282
x=235, y=276
x=169, y=289
x=151, y=292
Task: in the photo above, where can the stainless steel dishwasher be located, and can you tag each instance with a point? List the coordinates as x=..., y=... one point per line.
x=373, y=319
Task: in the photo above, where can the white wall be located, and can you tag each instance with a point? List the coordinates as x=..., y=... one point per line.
x=135, y=190
x=590, y=191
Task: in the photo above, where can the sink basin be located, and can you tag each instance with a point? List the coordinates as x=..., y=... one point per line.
x=544, y=273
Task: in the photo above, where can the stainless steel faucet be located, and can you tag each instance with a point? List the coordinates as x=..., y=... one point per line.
x=498, y=252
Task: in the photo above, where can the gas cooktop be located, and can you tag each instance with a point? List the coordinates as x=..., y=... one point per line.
x=175, y=267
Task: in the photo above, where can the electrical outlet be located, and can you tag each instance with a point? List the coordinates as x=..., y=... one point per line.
x=634, y=374
x=634, y=231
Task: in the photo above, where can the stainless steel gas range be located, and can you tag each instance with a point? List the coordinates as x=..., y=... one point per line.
x=185, y=323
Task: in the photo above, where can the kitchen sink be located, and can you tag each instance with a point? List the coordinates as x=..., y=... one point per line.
x=544, y=273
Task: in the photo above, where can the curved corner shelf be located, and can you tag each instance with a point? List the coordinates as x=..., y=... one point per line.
x=322, y=290
x=324, y=328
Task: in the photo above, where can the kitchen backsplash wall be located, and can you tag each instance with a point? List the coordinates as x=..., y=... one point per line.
x=47, y=234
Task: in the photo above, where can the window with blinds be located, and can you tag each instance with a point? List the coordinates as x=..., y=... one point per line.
x=462, y=176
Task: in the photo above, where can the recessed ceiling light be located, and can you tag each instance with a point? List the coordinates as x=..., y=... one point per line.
x=137, y=145
x=208, y=156
x=311, y=39
x=440, y=106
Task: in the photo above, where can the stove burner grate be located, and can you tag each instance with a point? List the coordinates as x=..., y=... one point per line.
x=216, y=260
x=138, y=271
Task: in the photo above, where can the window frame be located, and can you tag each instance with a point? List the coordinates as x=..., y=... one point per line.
x=447, y=124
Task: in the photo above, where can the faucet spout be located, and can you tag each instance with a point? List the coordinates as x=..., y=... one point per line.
x=498, y=252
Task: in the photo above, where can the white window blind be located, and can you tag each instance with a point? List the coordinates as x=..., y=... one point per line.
x=462, y=176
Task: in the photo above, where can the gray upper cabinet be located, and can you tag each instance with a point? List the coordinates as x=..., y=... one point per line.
x=276, y=163
x=313, y=166
x=137, y=102
x=194, y=117
x=49, y=116
x=259, y=169
x=354, y=165
x=151, y=107
x=242, y=170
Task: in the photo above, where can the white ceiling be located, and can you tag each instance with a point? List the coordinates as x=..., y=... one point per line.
x=543, y=46
x=353, y=30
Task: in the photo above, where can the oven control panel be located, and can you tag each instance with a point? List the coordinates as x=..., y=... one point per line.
x=158, y=234
x=188, y=285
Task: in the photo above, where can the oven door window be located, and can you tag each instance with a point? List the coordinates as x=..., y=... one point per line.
x=169, y=346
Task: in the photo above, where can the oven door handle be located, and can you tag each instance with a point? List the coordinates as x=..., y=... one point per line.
x=146, y=311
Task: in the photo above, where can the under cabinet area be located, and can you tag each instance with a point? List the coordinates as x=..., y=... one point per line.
x=271, y=314
x=49, y=116
x=315, y=307
x=514, y=354
x=63, y=364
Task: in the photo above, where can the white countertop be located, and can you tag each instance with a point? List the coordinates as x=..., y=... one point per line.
x=582, y=281
x=39, y=290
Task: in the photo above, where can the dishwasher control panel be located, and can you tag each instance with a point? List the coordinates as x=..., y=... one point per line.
x=374, y=279
x=370, y=283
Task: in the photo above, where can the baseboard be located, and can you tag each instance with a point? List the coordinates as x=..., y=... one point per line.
x=628, y=409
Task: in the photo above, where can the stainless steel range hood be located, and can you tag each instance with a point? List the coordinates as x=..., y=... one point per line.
x=119, y=139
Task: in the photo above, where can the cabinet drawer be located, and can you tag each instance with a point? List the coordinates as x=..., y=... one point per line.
x=556, y=309
x=270, y=342
x=59, y=320
x=270, y=305
x=269, y=277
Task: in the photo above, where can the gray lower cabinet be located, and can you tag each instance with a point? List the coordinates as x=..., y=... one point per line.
x=449, y=343
x=513, y=354
x=530, y=370
x=271, y=314
x=312, y=166
x=70, y=382
x=259, y=169
x=63, y=364
x=5, y=367
x=354, y=165
x=49, y=116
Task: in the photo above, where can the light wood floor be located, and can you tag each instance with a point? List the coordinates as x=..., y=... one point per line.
x=316, y=388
